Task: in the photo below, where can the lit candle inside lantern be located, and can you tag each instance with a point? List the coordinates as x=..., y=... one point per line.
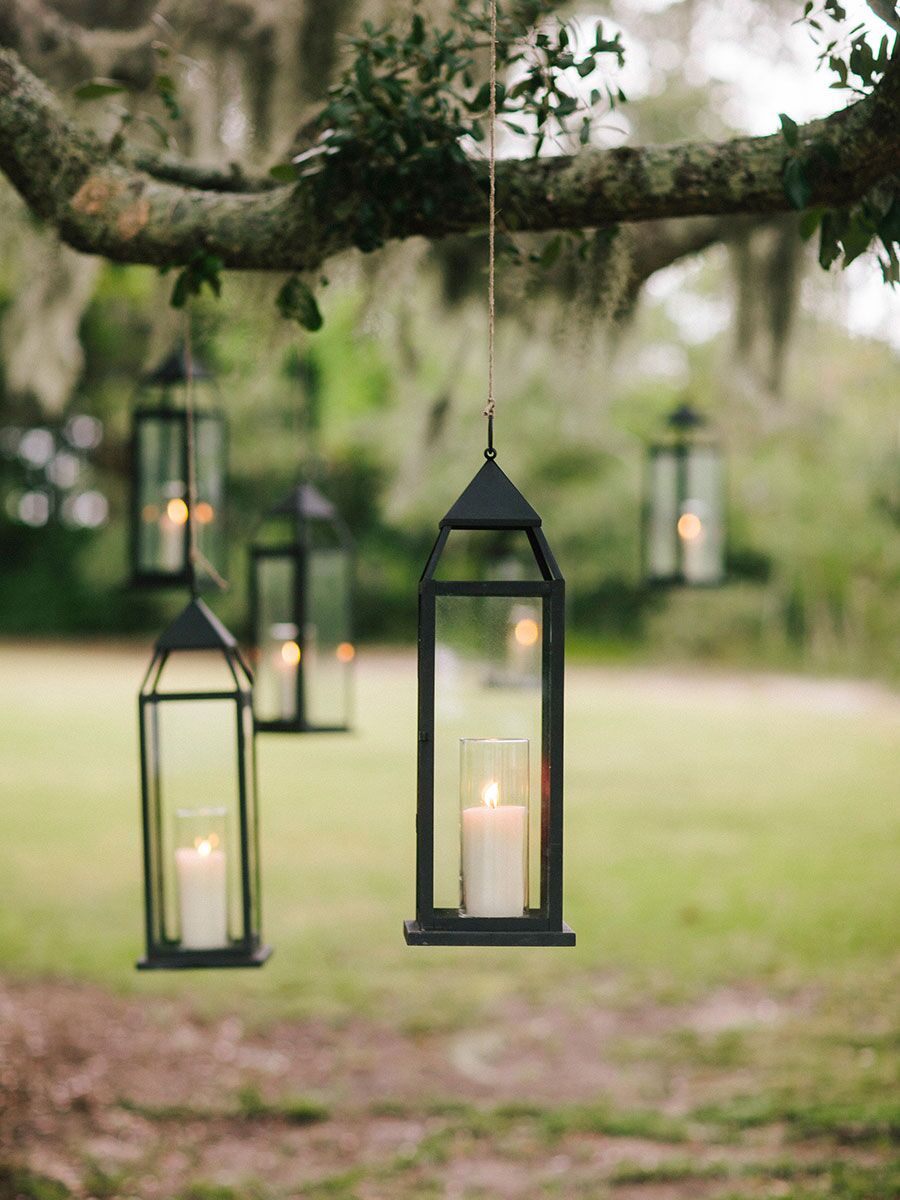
x=345, y=652
x=171, y=533
x=290, y=660
x=286, y=656
x=692, y=533
x=200, y=869
x=495, y=830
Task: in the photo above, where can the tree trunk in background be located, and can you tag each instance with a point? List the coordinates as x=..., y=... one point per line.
x=42, y=355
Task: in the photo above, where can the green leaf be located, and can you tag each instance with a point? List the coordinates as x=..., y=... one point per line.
x=296, y=302
x=856, y=240
x=796, y=185
x=202, y=269
x=550, y=253
x=829, y=249
x=788, y=130
x=165, y=89
x=809, y=222
x=417, y=33
x=95, y=89
x=481, y=99
x=889, y=225
x=284, y=172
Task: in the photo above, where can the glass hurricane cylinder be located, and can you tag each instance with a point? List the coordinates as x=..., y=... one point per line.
x=494, y=795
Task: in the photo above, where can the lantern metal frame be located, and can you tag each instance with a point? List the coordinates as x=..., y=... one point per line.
x=492, y=502
x=172, y=372
x=198, y=629
x=305, y=506
x=685, y=422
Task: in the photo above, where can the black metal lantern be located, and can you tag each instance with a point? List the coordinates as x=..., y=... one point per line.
x=684, y=512
x=301, y=583
x=489, y=864
x=161, y=452
x=198, y=792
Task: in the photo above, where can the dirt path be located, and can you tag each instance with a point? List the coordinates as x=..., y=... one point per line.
x=114, y=1097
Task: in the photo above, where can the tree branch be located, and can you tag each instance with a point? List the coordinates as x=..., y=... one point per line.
x=146, y=210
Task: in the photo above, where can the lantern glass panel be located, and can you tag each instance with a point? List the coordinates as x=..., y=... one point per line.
x=192, y=744
x=480, y=693
x=699, y=524
x=327, y=644
x=662, y=537
x=276, y=682
x=210, y=453
x=160, y=457
x=472, y=554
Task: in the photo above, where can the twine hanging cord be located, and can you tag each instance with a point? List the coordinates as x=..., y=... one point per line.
x=490, y=452
x=196, y=558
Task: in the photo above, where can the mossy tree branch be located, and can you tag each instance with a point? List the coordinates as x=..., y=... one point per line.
x=141, y=209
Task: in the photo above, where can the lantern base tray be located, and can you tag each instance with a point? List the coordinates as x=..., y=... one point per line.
x=416, y=935
x=297, y=727
x=188, y=960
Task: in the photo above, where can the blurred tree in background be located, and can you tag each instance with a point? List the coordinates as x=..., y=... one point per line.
x=599, y=335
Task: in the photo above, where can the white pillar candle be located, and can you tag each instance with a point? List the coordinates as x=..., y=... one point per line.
x=494, y=840
x=202, y=896
x=287, y=660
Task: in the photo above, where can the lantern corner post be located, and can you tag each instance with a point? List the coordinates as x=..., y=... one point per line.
x=415, y=931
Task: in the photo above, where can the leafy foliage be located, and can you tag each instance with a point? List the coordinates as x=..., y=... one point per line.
x=399, y=126
x=97, y=89
x=202, y=269
x=874, y=223
x=849, y=232
x=164, y=86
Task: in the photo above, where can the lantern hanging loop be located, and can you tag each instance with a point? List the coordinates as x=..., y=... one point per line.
x=490, y=452
x=196, y=558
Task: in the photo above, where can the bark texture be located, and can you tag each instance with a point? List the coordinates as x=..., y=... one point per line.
x=147, y=210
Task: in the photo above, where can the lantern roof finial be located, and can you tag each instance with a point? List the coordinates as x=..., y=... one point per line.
x=196, y=628
x=685, y=416
x=491, y=501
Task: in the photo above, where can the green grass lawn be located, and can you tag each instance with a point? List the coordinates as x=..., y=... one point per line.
x=725, y=1028
x=718, y=828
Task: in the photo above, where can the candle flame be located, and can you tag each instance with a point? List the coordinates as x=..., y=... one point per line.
x=346, y=652
x=177, y=511
x=527, y=631
x=491, y=795
x=690, y=527
x=204, y=846
x=290, y=653
x=205, y=512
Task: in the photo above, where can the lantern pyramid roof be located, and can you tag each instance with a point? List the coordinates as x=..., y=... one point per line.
x=491, y=501
x=307, y=502
x=196, y=628
x=174, y=369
